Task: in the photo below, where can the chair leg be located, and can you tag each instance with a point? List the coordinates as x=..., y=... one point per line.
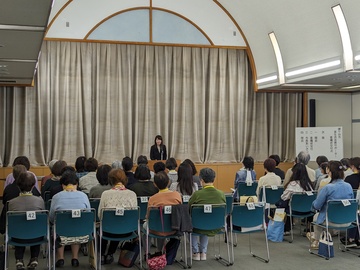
x=291, y=229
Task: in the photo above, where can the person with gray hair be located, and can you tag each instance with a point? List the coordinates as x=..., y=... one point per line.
x=117, y=165
x=304, y=158
x=47, y=177
x=207, y=195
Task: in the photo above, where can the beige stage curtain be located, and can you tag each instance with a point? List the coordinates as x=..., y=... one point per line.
x=110, y=100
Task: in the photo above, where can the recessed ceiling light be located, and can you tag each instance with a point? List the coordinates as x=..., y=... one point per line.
x=3, y=66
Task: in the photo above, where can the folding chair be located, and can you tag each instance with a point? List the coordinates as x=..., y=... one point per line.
x=338, y=213
x=94, y=203
x=251, y=220
x=271, y=194
x=74, y=223
x=143, y=204
x=210, y=217
x=244, y=189
x=159, y=220
x=300, y=207
x=27, y=225
x=120, y=221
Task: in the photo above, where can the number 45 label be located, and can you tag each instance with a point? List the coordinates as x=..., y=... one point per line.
x=30, y=215
x=119, y=212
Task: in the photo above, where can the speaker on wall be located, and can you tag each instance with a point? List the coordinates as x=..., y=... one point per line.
x=312, y=113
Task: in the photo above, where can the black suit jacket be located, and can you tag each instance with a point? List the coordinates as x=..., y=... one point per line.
x=155, y=154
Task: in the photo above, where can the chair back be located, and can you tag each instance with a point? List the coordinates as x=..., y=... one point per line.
x=67, y=225
x=301, y=202
x=143, y=204
x=27, y=225
x=229, y=201
x=159, y=219
x=119, y=221
x=245, y=190
x=338, y=213
x=271, y=195
x=245, y=218
x=204, y=220
x=94, y=203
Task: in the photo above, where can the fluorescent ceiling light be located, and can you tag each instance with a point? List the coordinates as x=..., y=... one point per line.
x=357, y=58
x=351, y=87
x=312, y=68
x=278, y=56
x=267, y=79
x=306, y=85
x=345, y=37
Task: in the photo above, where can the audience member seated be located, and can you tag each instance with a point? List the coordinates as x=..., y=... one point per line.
x=116, y=197
x=245, y=174
x=304, y=158
x=279, y=172
x=337, y=189
x=159, y=167
x=318, y=173
x=324, y=178
x=270, y=178
x=196, y=178
x=12, y=191
x=26, y=201
x=143, y=187
x=184, y=184
x=164, y=197
x=69, y=198
x=89, y=180
x=354, y=179
x=172, y=173
x=54, y=182
x=102, y=176
x=59, y=188
x=127, y=165
x=346, y=164
x=116, y=164
x=207, y=195
x=142, y=160
x=80, y=167
x=20, y=160
x=299, y=182
x=47, y=177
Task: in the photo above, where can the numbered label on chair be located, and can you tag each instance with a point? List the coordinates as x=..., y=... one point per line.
x=345, y=202
x=273, y=187
x=207, y=208
x=186, y=198
x=30, y=215
x=76, y=213
x=144, y=199
x=119, y=212
x=167, y=209
x=250, y=206
x=309, y=193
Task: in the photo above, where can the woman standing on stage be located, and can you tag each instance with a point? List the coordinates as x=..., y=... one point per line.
x=158, y=150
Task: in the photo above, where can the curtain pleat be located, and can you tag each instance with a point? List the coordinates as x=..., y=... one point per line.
x=110, y=100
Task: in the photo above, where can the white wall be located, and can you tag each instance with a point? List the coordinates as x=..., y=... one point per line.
x=335, y=109
x=356, y=124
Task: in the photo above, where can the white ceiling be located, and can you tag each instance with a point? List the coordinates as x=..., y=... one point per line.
x=306, y=31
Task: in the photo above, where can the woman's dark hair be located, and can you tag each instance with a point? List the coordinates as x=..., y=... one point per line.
x=102, y=174
x=188, y=161
x=276, y=158
x=336, y=169
x=321, y=159
x=346, y=163
x=117, y=176
x=67, y=168
x=22, y=160
x=142, y=172
x=161, y=179
x=248, y=163
x=91, y=165
x=270, y=164
x=160, y=138
x=26, y=182
x=58, y=167
x=80, y=164
x=323, y=166
x=69, y=178
x=299, y=173
x=355, y=161
x=159, y=167
x=171, y=164
x=142, y=160
x=127, y=164
x=185, y=179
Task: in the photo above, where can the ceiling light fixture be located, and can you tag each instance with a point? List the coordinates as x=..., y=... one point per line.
x=350, y=87
x=357, y=58
x=312, y=68
x=278, y=56
x=345, y=37
x=266, y=79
